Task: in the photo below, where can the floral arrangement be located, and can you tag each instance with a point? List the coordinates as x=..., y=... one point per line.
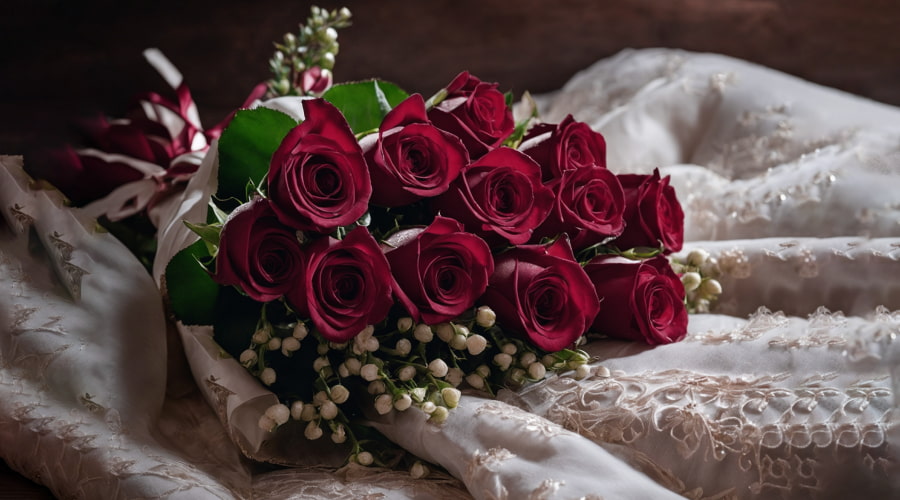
x=378, y=251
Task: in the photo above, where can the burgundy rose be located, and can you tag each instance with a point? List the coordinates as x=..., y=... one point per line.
x=498, y=197
x=476, y=112
x=642, y=300
x=567, y=146
x=440, y=270
x=258, y=253
x=348, y=285
x=542, y=293
x=589, y=207
x=652, y=213
x=409, y=158
x=318, y=179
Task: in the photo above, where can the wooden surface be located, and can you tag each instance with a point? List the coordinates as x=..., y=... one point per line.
x=60, y=59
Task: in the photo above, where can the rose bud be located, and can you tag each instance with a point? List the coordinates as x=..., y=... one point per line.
x=409, y=158
x=570, y=145
x=642, y=300
x=318, y=179
x=500, y=197
x=653, y=214
x=440, y=271
x=543, y=294
x=476, y=112
x=258, y=253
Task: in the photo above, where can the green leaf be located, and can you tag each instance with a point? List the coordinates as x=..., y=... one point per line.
x=365, y=104
x=192, y=291
x=209, y=233
x=246, y=147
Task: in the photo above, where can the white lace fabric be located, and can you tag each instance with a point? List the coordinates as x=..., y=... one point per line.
x=788, y=390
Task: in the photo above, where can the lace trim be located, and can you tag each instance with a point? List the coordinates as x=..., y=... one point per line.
x=527, y=421
x=775, y=431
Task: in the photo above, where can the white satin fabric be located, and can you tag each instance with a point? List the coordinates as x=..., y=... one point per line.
x=787, y=390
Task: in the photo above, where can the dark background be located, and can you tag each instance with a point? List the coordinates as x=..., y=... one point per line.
x=61, y=59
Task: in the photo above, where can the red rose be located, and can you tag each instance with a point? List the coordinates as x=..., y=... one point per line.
x=642, y=300
x=567, y=146
x=498, y=197
x=258, y=253
x=476, y=112
x=543, y=293
x=440, y=270
x=348, y=285
x=318, y=179
x=409, y=158
x=652, y=213
x=589, y=206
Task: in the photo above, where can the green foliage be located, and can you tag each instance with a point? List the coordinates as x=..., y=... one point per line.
x=192, y=291
x=365, y=104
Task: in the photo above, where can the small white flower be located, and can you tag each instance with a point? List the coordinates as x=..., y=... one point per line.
x=403, y=403
x=503, y=360
x=428, y=407
x=279, y=413
x=289, y=345
x=266, y=423
x=485, y=317
x=691, y=281
x=328, y=410
x=418, y=394
x=339, y=434
x=322, y=349
x=344, y=13
x=337, y=346
x=509, y=348
x=527, y=358
x=377, y=387
x=406, y=373
x=308, y=413
x=321, y=362
x=353, y=365
x=439, y=415
x=517, y=375
x=274, y=344
x=320, y=397
x=331, y=34
x=404, y=347
x=365, y=458
x=697, y=257
x=455, y=376
x=548, y=360
x=296, y=409
x=384, y=403
x=418, y=470
x=458, y=342
x=328, y=59
x=343, y=371
x=710, y=267
x=476, y=344
x=450, y=396
x=372, y=344
x=423, y=333
x=536, y=371
x=312, y=431
x=711, y=288
x=300, y=331
x=248, y=358
x=340, y=394
x=404, y=324
x=369, y=372
x=484, y=371
x=261, y=336
x=475, y=380
x=582, y=372
x=445, y=331
x=267, y=376
x=438, y=367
